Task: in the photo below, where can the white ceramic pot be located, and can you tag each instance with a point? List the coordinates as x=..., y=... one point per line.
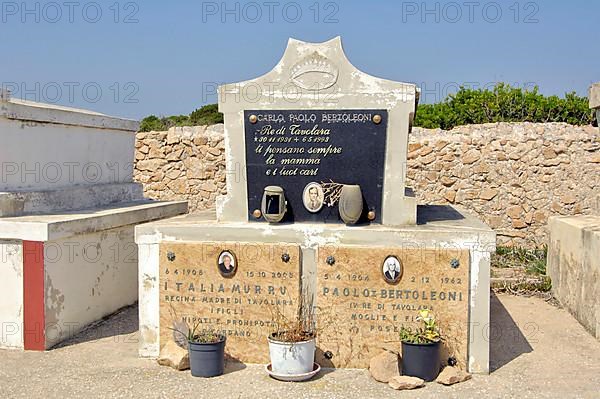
x=292, y=358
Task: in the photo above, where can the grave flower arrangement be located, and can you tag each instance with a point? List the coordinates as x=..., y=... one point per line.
x=206, y=348
x=292, y=344
x=421, y=348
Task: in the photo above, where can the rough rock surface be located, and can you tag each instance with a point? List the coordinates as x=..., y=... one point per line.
x=513, y=175
x=452, y=375
x=184, y=163
x=174, y=356
x=403, y=382
x=385, y=366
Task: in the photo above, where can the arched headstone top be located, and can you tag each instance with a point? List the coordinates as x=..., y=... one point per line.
x=316, y=118
x=315, y=73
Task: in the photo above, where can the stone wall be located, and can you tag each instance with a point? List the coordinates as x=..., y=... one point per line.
x=185, y=163
x=514, y=175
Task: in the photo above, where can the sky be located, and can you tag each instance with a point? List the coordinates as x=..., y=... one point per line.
x=133, y=59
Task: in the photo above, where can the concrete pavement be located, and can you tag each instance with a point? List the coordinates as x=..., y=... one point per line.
x=537, y=351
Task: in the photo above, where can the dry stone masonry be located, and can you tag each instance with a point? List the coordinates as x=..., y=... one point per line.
x=186, y=163
x=514, y=175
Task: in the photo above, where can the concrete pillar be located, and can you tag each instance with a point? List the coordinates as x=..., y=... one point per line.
x=595, y=99
x=595, y=104
x=573, y=263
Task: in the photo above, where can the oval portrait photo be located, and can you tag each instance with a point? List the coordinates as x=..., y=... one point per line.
x=392, y=269
x=313, y=197
x=227, y=264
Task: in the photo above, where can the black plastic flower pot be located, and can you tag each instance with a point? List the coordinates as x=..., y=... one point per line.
x=207, y=359
x=421, y=360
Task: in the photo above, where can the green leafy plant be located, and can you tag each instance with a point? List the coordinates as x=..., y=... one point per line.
x=152, y=123
x=206, y=115
x=503, y=103
x=176, y=120
x=426, y=334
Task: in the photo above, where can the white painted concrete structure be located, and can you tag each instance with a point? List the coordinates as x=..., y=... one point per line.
x=573, y=257
x=49, y=147
x=574, y=267
x=68, y=207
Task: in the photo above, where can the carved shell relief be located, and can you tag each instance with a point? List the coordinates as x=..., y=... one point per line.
x=314, y=72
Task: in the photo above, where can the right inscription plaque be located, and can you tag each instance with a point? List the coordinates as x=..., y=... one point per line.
x=366, y=294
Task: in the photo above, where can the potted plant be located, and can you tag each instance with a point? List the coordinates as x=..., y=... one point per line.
x=206, y=349
x=292, y=344
x=421, y=348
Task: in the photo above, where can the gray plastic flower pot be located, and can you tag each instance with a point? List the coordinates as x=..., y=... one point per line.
x=207, y=359
x=421, y=360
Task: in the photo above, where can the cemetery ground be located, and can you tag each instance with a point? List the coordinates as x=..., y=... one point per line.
x=537, y=350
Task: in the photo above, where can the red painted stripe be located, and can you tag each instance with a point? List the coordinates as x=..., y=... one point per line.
x=34, y=325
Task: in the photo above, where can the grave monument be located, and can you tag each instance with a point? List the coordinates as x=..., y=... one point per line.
x=68, y=205
x=317, y=210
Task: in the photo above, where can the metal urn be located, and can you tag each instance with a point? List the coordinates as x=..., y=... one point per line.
x=273, y=204
x=351, y=204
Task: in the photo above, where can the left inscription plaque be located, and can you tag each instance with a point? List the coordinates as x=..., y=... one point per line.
x=242, y=305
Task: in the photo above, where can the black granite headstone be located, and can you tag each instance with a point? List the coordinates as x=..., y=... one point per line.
x=292, y=148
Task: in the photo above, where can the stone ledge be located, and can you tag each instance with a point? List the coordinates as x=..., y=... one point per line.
x=452, y=225
x=67, y=224
x=590, y=222
x=14, y=204
x=573, y=266
x=47, y=113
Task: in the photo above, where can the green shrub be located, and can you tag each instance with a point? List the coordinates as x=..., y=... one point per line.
x=503, y=103
x=207, y=115
x=176, y=120
x=151, y=123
